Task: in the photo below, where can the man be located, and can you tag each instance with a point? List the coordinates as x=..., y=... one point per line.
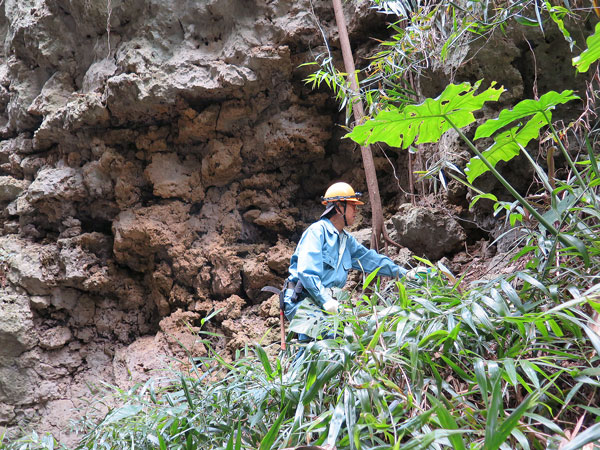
x=322, y=259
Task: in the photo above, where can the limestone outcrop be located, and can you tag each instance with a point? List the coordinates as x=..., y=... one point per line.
x=152, y=153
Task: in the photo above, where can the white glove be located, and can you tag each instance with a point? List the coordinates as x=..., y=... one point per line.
x=416, y=273
x=331, y=306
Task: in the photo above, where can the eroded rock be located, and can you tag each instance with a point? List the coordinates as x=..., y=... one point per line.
x=55, y=338
x=172, y=178
x=11, y=188
x=427, y=232
x=17, y=333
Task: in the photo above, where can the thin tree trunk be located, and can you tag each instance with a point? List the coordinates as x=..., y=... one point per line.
x=378, y=229
x=411, y=184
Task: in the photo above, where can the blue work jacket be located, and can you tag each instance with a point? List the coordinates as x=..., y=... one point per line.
x=317, y=263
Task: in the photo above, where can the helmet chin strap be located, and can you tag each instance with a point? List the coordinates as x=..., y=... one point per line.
x=343, y=213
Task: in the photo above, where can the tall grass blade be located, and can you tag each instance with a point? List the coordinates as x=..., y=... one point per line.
x=592, y=155
x=506, y=428
x=494, y=409
x=339, y=415
x=267, y=442
x=264, y=359
x=447, y=421
x=592, y=434
x=370, y=278
x=186, y=391
x=481, y=377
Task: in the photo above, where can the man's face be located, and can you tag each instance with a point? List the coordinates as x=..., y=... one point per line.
x=350, y=213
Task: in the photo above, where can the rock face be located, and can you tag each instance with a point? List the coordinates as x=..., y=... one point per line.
x=427, y=232
x=152, y=152
x=158, y=160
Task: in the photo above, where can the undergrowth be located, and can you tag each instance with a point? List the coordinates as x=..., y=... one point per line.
x=506, y=363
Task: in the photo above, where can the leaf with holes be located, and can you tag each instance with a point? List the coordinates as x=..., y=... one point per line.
x=524, y=109
x=428, y=121
x=506, y=146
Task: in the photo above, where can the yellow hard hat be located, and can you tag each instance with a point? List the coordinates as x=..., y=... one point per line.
x=341, y=192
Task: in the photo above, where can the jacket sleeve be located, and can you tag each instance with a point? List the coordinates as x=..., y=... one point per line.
x=369, y=260
x=310, y=264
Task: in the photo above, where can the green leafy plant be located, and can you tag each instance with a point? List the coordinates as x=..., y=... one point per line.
x=425, y=34
x=453, y=109
x=434, y=364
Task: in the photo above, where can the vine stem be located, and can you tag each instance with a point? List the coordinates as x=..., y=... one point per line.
x=568, y=158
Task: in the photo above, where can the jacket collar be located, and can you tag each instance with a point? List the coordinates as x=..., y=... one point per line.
x=331, y=227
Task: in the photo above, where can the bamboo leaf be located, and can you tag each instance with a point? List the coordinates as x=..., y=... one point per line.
x=375, y=337
x=530, y=370
x=532, y=281
x=592, y=434
x=122, y=413
x=509, y=366
x=481, y=377
x=325, y=376
x=511, y=422
x=512, y=295
x=494, y=409
x=521, y=438
x=187, y=393
x=464, y=375
x=448, y=422
x=238, y=437
x=591, y=154
x=482, y=317
x=349, y=409
x=161, y=443
x=593, y=337
x=436, y=335
x=570, y=240
x=369, y=278
x=264, y=359
x=339, y=415
x=551, y=425
x=271, y=436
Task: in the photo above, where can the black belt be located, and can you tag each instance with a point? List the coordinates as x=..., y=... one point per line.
x=299, y=293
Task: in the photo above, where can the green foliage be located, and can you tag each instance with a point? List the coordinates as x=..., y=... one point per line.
x=504, y=363
x=591, y=54
x=424, y=34
x=508, y=144
x=453, y=109
x=428, y=121
x=31, y=442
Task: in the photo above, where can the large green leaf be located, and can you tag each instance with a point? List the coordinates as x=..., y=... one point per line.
x=428, y=121
x=591, y=54
x=506, y=146
x=523, y=109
